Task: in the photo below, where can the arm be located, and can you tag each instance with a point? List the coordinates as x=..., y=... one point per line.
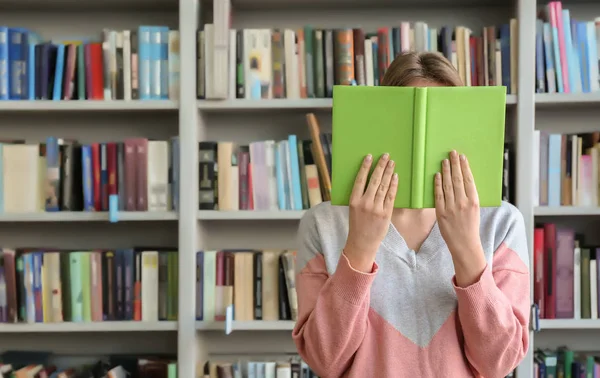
x=494, y=311
x=332, y=310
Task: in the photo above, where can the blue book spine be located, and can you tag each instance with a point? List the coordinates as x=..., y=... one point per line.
x=549, y=59
x=24, y=65
x=505, y=52
x=279, y=176
x=295, y=167
x=29, y=297
x=103, y=177
x=571, y=53
x=557, y=66
x=554, y=143
x=287, y=181
x=584, y=56
x=4, y=65
x=31, y=72
x=37, y=287
x=164, y=62
x=540, y=72
x=175, y=173
x=58, y=72
x=128, y=258
x=144, y=62
x=52, y=172
x=592, y=49
x=14, y=59
x=88, y=189
x=155, y=62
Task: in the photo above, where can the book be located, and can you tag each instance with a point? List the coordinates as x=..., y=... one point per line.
x=418, y=127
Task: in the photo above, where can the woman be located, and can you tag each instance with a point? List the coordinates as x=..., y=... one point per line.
x=386, y=292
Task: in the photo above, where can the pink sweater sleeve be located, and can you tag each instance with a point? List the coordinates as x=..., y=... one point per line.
x=494, y=312
x=332, y=310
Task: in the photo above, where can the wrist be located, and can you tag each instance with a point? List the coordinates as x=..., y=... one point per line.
x=469, y=264
x=361, y=260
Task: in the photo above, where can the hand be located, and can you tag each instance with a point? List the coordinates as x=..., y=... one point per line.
x=370, y=212
x=457, y=211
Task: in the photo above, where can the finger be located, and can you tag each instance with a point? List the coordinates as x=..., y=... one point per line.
x=447, y=184
x=385, y=183
x=440, y=203
x=457, y=177
x=361, y=178
x=470, y=188
x=376, y=176
x=390, y=198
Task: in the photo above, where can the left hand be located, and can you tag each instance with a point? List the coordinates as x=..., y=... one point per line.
x=457, y=211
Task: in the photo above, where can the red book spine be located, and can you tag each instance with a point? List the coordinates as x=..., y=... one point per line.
x=111, y=160
x=137, y=288
x=96, y=71
x=220, y=281
x=250, y=188
x=96, y=189
x=141, y=183
x=383, y=51
x=565, y=258
x=130, y=175
x=550, y=270
x=538, y=264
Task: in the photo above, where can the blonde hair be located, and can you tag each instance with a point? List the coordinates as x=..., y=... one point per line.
x=428, y=66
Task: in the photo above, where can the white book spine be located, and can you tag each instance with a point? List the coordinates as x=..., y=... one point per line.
x=127, y=64
x=291, y=65
x=232, y=63
x=221, y=9
x=149, y=286
x=158, y=175
x=369, y=62
x=208, y=290
x=577, y=283
x=209, y=77
x=594, y=288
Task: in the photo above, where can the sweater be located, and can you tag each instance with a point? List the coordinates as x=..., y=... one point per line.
x=408, y=318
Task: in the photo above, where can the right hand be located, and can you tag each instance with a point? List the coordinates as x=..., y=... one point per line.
x=370, y=211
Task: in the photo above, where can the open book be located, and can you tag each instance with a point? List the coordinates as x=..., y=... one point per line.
x=418, y=127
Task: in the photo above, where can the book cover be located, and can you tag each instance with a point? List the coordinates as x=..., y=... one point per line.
x=418, y=127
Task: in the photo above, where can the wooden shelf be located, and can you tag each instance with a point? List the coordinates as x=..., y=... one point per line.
x=87, y=105
x=116, y=326
x=569, y=324
x=249, y=215
x=256, y=325
x=567, y=98
x=280, y=104
x=566, y=211
x=89, y=216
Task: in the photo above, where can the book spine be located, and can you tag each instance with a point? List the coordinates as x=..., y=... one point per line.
x=418, y=169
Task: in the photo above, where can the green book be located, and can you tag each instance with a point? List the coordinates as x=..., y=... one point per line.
x=418, y=127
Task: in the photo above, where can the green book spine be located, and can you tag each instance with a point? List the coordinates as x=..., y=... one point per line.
x=76, y=287
x=590, y=365
x=418, y=161
x=172, y=286
x=309, y=37
x=569, y=358
x=86, y=287
x=586, y=308
x=80, y=72
x=319, y=65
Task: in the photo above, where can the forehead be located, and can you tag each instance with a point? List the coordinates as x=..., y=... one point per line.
x=424, y=83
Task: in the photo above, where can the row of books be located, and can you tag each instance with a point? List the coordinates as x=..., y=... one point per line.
x=119, y=65
x=566, y=172
x=45, y=364
x=63, y=175
x=307, y=62
x=293, y=367
x=53, y=286
x=566, y=274
x=290, y=174
x=566, y=52
x=565, y=362
x=260, y=285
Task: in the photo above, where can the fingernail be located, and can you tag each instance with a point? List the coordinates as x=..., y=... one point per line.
x=463, y=157
x=386, y=156
x=368, y=157
x=395, y=177
x=437, y=175
x=445, y=161
x=392, y=163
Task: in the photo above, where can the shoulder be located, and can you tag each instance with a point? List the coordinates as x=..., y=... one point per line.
x=504, y=229
x=324, y=214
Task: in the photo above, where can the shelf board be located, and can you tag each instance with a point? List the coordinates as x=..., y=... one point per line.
x=249, y=215
x=567, y=98
x=358, y=4
x=281, y=104
x=116, y=326
x=255, y=325
x=87, y=105
x=566, y=210
x=583, y=324
x=88, y=216
x=89, y=5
